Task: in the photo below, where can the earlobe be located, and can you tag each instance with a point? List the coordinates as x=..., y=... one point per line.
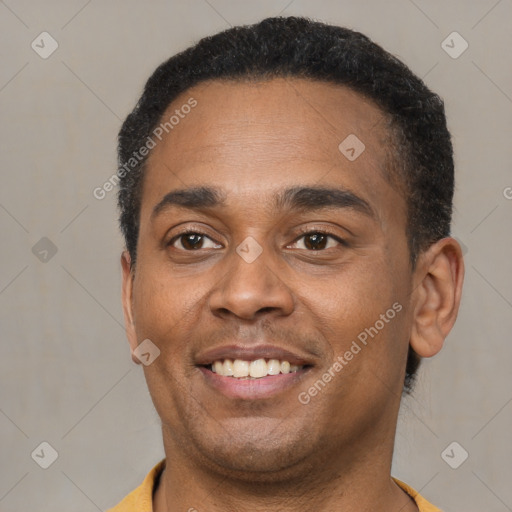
x=127, y=296
x=440, y=274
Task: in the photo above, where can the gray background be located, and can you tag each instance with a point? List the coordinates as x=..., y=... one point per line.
x=66, y=373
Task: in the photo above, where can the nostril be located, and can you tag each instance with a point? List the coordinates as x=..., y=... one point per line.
x=267, y=309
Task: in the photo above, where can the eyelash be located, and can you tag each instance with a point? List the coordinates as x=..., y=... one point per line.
x=309, y=231
x=188, y=232
x=303, y=233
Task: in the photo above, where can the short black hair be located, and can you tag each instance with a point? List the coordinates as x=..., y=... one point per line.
x=294, y=47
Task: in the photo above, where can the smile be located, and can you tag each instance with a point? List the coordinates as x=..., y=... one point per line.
x=252, y=372
x=256, y=369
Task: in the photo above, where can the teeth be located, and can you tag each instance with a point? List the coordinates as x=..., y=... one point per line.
x=274, y=367
x=240, y=368
x=258, y=368
x=227, y=368
x=252, y=369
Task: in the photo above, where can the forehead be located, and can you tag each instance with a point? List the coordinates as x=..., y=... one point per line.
x=249, y=137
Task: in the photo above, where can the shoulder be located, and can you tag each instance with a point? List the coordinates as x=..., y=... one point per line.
x=141, y=498
x=421, y=502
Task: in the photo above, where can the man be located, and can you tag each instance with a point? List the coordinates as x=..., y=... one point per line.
x=285, y=194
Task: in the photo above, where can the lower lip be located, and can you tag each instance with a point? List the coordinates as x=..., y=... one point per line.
x=252, y=389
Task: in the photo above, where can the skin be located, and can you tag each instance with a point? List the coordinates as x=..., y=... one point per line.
x=252, y=140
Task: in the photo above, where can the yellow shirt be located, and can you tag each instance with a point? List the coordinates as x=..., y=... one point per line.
x=141, y=499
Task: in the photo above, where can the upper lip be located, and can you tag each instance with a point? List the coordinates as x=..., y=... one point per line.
x=251, y=353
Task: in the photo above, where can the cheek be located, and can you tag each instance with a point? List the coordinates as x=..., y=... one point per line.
x=161, y=306
x=353, y=298
x=362, y=316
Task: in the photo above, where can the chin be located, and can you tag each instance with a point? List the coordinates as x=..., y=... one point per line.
x=257, y=465
x=255, y=454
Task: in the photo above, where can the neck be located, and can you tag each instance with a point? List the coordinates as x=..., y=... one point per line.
x=353, y=480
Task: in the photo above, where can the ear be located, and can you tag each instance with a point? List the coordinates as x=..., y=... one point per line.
x=127, y=299
x=438, y=290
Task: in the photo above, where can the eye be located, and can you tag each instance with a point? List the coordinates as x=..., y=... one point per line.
x=192, y=241
x=317, y=240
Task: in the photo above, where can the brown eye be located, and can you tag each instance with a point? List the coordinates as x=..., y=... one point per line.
x=193, y=241
x=317, y=241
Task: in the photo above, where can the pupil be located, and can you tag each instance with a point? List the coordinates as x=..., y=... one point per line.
x=317, y=241
x=192, y=240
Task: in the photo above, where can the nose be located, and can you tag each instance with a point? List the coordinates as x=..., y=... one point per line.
x=250, y=289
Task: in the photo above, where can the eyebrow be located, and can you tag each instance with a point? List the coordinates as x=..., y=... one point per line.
x=316, y=198
x=295, y=198
x=193, y=198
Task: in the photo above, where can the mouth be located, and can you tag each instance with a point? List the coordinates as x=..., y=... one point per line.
x=256, y=369
x=252, y=373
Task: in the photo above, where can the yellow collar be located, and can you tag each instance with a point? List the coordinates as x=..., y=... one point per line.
x=141, y=499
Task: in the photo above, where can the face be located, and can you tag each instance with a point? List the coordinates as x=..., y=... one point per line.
x=261, y=241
